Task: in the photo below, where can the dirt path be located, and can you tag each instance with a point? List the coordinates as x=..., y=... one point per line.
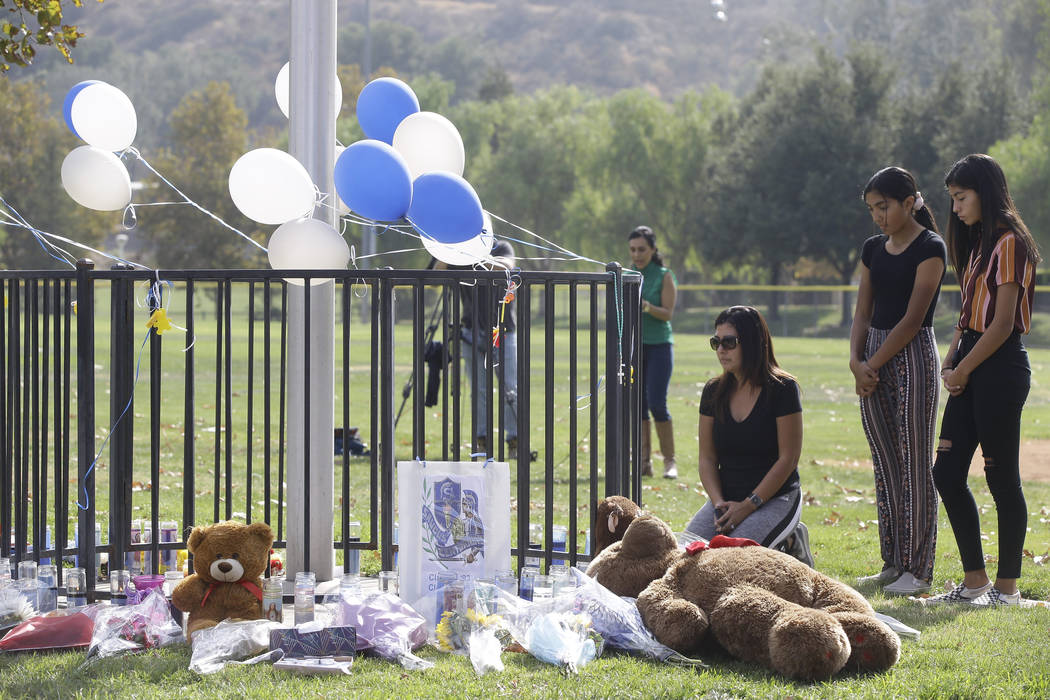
x=1035, y=460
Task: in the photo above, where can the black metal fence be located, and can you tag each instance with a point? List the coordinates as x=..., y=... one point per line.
x=193, y=429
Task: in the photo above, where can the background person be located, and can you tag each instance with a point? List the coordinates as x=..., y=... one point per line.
x=893, y=357
x=477, y=351
x=659, y=291
x=987, y=374
x=751, y=440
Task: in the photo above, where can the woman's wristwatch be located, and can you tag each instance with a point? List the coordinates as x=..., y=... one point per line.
x=755, y=499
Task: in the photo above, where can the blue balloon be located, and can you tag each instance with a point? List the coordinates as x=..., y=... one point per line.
x=445, y=208
x=381, y=106
x=67, y=104
x=373, y=180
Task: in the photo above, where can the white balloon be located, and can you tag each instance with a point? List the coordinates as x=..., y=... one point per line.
x=428, y=142
x=281, y=89
x=104, y=117
x=271, y=187
x=96, y=179
x=307, y=244
x=340, y=205
x=466, y=252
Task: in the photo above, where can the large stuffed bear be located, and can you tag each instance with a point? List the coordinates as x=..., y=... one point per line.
x=760, y=605
x=228, y=559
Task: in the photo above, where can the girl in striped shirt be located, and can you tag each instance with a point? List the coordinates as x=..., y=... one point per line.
x=987, y=374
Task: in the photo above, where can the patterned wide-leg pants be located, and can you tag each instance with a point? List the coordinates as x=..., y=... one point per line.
x=899, y=421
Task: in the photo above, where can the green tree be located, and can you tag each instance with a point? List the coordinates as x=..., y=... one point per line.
x=1025, y=157
x=808, y=139
x=31, y=23
x=32, y=147
x=209, y=134
x=648, y=163
x=522, y=160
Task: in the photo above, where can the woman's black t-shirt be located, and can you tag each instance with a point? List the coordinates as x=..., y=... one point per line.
x=893, y=276
x=748, y=450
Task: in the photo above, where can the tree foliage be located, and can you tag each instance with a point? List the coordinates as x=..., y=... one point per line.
x=209, y=133
x=31, y=23
x=32, y=146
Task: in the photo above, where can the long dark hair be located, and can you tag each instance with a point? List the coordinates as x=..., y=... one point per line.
x=759, y=363
x=983, y=175
x=650, y=238
x=897, y=183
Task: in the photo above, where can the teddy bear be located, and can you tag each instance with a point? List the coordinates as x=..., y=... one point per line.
x=228, y=560
x=611, y=519
x=758, y=604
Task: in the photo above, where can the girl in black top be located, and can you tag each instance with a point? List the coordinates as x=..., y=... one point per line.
x=893, y=357
x=750, y=440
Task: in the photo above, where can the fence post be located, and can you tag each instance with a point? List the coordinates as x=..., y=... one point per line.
x=386, y=418
x=85, y=311
x=121, y=402
x=614, y=382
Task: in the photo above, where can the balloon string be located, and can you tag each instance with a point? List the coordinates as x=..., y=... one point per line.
x=135, y=152
x=16, y=219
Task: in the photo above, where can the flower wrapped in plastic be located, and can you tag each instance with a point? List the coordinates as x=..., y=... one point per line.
x=482, y=637
x=615, y=619
x=14, y=607
x=121, y=629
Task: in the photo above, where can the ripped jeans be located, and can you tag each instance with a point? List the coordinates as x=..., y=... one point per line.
x=988, y=412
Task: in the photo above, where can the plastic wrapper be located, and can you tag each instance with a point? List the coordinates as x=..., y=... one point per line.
x=387, y=626
x=229, y=641
x=52, y=632
x=561, y=638
x=615, y=619
x=479, y=636
x=120, y=629
x=316, y=667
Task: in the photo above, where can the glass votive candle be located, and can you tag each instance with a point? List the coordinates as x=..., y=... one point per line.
x=388, y=582
x=47, y=594
x=5, y=569
x=350, y=586
x=528, y=580
x=119, y=581
x=542, y=587
x=27, y=570
x=507, y=581
x=305, y=582
x=76, y=587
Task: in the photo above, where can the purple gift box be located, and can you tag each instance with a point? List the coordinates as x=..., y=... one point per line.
x=331, y=641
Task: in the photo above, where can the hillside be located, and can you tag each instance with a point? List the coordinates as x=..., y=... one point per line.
x=159, y=50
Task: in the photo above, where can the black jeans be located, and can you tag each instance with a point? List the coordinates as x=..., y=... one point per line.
x=988, y=412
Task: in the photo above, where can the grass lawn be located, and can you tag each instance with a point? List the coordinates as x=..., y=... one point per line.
x=962, y=653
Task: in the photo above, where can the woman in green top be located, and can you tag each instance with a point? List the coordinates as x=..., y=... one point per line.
x=658, y=297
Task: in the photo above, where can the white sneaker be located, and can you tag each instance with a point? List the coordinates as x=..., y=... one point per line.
x=958, y=594
x=907, y=584
x=885, y=576
x=996, y=597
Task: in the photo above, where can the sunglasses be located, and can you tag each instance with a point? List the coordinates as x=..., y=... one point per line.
x=728, y=342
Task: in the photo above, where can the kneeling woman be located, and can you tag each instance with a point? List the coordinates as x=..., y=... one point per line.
x=750, y=441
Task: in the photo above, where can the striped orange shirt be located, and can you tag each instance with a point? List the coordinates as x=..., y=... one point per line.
x=1009, y=262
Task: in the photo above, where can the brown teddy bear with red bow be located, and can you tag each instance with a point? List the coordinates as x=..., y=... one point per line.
x=228, y=560
x=758, y=604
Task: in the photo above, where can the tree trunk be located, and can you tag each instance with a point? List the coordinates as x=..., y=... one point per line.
x=776, y=272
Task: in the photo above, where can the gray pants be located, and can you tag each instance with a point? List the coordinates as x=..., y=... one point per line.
x=770, y=525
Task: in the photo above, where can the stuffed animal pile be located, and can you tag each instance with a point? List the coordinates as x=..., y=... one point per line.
x=758, y=604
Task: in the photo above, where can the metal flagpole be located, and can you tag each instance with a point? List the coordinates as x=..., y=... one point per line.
x=311, y=139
